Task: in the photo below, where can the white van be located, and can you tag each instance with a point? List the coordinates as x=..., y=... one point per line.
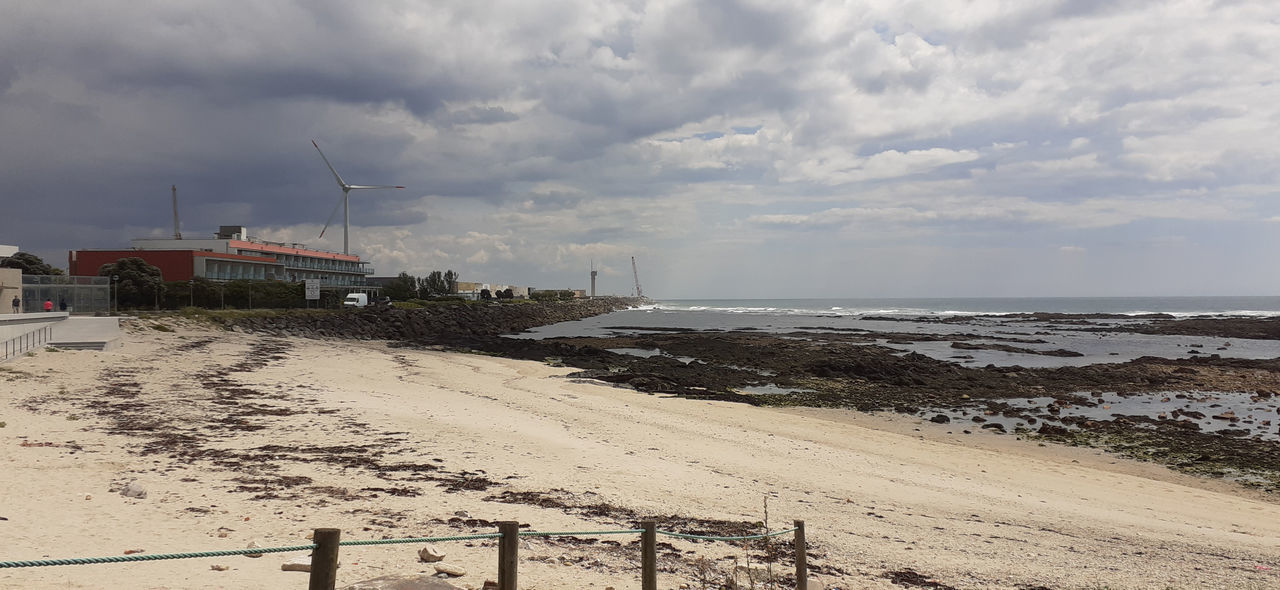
x=356, y=300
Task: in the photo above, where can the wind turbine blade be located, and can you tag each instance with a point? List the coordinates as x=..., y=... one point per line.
x=332, y=215
x=326, y=163
x=356, y=186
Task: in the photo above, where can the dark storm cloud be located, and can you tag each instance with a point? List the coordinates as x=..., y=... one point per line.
x=562, y=129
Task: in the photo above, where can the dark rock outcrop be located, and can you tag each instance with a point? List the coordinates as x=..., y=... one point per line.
x=444, y=324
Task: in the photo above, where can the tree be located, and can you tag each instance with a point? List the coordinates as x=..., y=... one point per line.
x=450, y=282
x=29, y=264
x=402, y=288
x=438, y=284
x=506, y=294
x=435, y=284
x=138, y=284
x=485, y=294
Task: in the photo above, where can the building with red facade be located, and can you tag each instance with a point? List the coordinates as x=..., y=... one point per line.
x=231, y=255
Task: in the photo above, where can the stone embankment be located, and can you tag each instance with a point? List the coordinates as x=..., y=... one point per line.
x=445, y=323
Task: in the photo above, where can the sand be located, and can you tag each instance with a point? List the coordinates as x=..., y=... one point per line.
x=879, y=494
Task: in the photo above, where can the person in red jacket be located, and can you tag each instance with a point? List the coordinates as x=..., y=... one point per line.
x=48, y=305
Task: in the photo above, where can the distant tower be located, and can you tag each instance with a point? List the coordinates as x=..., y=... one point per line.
x=635, y=273
x=177, y=235
x=593, y=278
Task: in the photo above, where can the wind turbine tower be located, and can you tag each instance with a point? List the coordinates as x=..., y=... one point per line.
x=593, y=278
x=346, y=208
x=635, y=273
x=177, y=233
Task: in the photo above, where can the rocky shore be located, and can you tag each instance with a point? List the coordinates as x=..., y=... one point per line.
x=446, y=322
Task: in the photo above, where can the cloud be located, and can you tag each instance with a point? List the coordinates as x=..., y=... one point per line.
x=537, y=137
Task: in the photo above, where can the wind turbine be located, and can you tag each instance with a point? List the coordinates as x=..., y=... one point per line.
x=346, y=209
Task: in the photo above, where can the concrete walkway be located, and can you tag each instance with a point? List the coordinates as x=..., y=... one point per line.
x=86, y=333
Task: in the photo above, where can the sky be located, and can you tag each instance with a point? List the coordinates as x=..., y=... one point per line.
x=735, y=149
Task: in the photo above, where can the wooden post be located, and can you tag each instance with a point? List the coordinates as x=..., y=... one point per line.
x=649, y=555
x=802, y=558
x=324, y=560
x=508, y=554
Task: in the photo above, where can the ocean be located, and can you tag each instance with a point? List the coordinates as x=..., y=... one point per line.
x=1176, y=306
x=923, y=316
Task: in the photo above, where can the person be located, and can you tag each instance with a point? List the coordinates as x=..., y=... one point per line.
x=48, y=305
x=17, y=304
x=62, y=305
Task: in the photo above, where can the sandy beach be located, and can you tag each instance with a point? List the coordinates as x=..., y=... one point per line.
x=241, y=437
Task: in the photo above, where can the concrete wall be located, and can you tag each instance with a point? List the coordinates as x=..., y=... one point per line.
x=10, y=286
x=16, y=325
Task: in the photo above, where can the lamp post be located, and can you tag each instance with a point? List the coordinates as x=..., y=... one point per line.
x=115, y=293
x=192, y=291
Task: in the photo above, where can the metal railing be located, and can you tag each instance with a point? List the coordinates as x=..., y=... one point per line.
x=32, y=340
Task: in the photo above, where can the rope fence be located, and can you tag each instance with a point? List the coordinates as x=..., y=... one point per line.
x=324, y=559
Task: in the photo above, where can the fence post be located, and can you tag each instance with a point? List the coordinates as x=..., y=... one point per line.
x=802, y=558
x=508, y=554
x=324, y=560
x=649, y=555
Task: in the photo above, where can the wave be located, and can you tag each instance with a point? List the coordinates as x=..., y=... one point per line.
x=942, y=312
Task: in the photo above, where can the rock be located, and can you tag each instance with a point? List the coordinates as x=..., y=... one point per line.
x=489, y=585
x=815, y=584
x=450, y=569
x=430, y=553
x=297, y=564
x=254, y=544
x=134, y=490
x=403, y=582
x=462, y=514
x=940, y=419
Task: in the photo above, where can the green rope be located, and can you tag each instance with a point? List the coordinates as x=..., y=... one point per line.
x=261, y=550
x=744, y=538
x=151, y=557
x=419, y=540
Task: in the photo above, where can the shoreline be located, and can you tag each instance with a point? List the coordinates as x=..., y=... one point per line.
x=256, y=413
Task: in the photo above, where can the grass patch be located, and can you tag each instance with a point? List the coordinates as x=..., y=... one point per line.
x=52, y=349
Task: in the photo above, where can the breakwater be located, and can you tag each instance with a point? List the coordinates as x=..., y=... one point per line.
x=437, y=323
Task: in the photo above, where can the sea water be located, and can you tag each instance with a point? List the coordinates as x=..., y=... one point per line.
x=985, y=321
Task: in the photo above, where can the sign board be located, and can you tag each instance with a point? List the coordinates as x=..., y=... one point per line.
x=313, y=289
